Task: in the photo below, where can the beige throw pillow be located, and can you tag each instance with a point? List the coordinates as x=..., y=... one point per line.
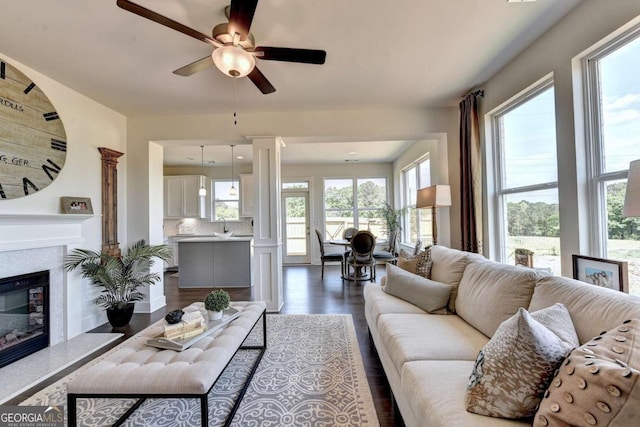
x=419, y=264
x=407, y=261
x=514, y=368
x=598, y=384
x=430, y=296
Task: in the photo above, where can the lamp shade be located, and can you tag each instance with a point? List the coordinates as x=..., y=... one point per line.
x=234, y=61
x=632, y=197
x=434, y=196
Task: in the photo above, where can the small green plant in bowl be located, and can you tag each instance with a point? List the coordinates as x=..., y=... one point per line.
x=216, y=301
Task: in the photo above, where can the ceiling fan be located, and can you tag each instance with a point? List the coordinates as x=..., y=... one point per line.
x=234, y=49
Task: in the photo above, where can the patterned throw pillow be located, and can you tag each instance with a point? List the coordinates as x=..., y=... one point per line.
x=598, y=383
x=515, y=367
x=423, y=266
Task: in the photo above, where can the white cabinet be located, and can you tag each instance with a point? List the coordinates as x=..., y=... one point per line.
x=246, y=195
x=181, y=199
x=173, y=246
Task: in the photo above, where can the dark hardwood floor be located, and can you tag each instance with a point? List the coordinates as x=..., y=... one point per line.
x=305, y=292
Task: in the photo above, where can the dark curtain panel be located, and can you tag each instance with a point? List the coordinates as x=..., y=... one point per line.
x=470, y=175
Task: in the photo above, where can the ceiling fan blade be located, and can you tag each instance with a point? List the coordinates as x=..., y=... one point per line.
x=306, y=56
x=194, y=67
x=163, y=20
x=241, y=16
x=261, y=81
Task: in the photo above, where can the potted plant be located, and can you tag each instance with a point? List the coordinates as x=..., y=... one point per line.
x=392, y=222
x=119, y=277
x=215, y=302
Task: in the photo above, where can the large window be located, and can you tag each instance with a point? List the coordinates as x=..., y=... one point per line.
x=224, y=206
x=526, y=178
x=417, y=222
x=613, y=93
x=354, y=202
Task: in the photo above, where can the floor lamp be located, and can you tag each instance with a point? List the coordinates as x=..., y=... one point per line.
x=434, y=197
x=632, y=196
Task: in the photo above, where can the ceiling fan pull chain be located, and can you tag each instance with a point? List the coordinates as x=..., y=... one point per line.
x=235, y=119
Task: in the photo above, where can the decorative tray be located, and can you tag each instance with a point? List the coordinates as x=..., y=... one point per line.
x=160, y=341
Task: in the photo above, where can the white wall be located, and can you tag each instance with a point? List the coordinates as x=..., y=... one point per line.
x=88, y=125
x=585, y=26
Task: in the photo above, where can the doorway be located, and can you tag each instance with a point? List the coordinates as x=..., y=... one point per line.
x=295, y=212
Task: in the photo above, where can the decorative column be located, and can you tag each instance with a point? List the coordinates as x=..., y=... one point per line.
x=110, y=242
x=267, y=225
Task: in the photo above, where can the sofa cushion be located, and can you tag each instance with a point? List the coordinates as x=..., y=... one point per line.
x=513, y=370
x=490, y=293
x=428, y=295
x=592, y=308
x=448, y=266
x=379, y=302
x=409, y=337
x=598, y=384
x=438, y=397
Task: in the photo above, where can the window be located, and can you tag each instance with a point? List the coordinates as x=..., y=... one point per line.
x=303, y=185
x=224, y=206
x=354, y=202
x=417, y=222
x=613, y=93
x=526, y=178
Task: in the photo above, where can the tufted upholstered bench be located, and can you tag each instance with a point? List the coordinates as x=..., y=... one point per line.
x=140, y=371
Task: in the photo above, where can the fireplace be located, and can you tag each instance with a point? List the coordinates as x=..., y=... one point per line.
x=24, y=315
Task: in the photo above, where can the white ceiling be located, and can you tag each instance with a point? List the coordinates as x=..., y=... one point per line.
x=405, y=53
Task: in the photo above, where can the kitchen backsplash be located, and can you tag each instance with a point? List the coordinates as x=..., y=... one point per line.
x=204, y=227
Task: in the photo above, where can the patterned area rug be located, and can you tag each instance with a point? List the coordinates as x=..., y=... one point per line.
x=311, y=375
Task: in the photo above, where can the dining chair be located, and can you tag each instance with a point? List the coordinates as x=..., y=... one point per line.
x=416, y=249
x=328, y=257
x=390, y=254
x=349, y=233
x=363, y=244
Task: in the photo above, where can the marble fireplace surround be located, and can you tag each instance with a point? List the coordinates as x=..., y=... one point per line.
x=31, y=243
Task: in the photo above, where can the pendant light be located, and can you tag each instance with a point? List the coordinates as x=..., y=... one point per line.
x=232, y=190
x=203, y=191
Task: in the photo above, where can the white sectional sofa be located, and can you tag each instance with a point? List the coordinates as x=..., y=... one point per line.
x=428, y=358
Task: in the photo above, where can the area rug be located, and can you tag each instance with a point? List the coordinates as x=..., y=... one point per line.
x=312, y=374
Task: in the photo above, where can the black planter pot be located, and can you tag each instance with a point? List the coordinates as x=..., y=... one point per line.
x=119, y=317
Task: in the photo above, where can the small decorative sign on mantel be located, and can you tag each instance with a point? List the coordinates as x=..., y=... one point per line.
x=76, y=205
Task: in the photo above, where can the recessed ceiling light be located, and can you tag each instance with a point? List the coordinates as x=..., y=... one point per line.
x=239, y=157
x=352, y=153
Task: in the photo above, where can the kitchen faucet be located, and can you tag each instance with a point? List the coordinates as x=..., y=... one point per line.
x=224, y=226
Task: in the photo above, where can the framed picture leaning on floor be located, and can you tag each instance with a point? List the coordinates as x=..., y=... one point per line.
x=601, y=272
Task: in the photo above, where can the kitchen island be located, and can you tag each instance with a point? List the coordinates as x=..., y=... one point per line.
x=221, y=262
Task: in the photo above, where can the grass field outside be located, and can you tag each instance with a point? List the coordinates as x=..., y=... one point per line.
x=547, y=255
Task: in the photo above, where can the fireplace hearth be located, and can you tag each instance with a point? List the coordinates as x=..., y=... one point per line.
x=24, y=315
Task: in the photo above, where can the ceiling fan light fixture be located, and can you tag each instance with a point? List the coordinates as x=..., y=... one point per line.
x=233, y=61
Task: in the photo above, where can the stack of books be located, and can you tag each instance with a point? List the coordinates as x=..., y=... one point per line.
x=192, y=324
